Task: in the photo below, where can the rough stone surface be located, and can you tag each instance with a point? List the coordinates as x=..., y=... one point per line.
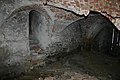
x=14, y=32
x=16, y=44
x=97, y=32
x=55, y=30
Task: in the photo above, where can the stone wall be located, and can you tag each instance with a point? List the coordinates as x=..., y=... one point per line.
x=14, y=32
x=61, y=31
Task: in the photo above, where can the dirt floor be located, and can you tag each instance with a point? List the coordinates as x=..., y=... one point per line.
x=77, y=65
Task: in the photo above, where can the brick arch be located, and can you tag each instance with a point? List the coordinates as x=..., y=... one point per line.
x=28, y=8
x=109, y=8
x=23, y=10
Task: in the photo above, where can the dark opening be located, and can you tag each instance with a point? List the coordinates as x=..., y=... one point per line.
x=33, y=26
x=38, y=32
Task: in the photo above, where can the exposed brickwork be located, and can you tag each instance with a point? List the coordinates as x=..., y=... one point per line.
x=61, y=14
x=105, y=7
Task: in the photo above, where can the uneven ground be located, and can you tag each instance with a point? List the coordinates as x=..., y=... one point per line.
x=78, y=65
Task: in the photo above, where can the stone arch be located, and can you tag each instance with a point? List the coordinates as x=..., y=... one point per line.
x=39, y=34
x=102, y=34
x=36, y=7
x=14, y=35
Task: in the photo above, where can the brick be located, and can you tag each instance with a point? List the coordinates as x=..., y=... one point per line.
x=91, y=0
x=72, y=2
x=110, y=6
x=100, y=4
x=86, y=0
x=106, y=7
x=58, y=15
x=81, y=0
x=77, y=3
x=65, y=2
x=60, y=0
x=68, y=17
